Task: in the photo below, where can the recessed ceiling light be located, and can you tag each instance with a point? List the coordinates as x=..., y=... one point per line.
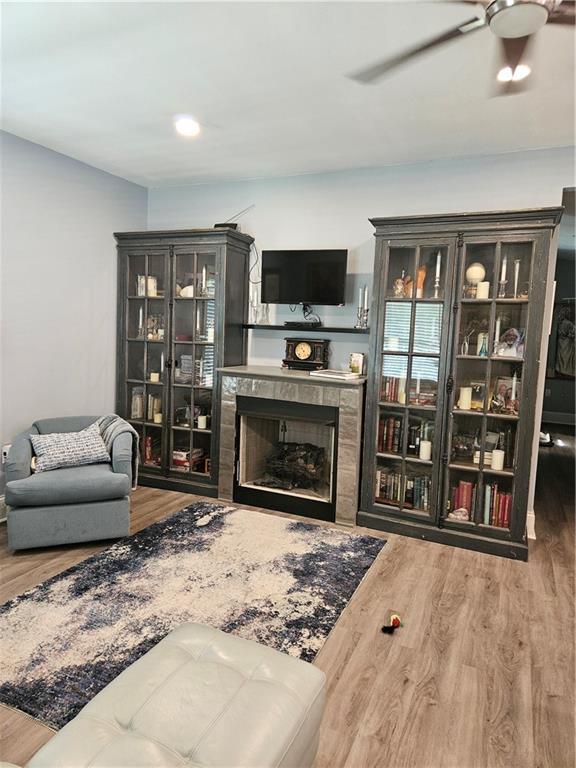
x=505, y=75
x=186, y=125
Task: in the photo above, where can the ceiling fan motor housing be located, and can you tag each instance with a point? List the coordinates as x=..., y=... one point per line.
x=518, y=18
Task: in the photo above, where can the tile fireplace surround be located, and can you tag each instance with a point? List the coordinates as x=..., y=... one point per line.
x=268, y=382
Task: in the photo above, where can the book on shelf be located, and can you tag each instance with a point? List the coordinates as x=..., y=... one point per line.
x=497, y=506
x=413, y=492
x=393, y=389
x=389, y=434
x=462, y=501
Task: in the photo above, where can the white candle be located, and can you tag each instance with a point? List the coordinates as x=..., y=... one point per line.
x=417, y=387
x=516, y=274
x=438, y=257
x=514, y=387
x=497, y=459
x=154, y=376
x=202, y=422
x=425, y=450
x=140, y=318
x=497, y=333
x=503, y=273
x=465, y=400
x=482, y=290
x=402, y=391
x=162, y=362
x=360, y=298
x=365, y=297
x=204, y=277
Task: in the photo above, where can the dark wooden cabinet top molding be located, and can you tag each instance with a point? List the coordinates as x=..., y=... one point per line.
x=485, y=221
x=175, y=236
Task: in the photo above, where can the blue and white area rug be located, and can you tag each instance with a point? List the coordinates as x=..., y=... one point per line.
x=266, y=578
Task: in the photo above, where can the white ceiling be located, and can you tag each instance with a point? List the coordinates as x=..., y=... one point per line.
x=101, y=81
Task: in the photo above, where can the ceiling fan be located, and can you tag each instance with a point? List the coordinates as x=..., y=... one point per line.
x=514, y=22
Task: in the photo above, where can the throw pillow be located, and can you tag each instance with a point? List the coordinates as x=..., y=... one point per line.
x=69, y=449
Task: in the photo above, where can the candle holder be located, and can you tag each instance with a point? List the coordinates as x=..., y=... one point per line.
x=502, y=289
x=437, y=287
x=362, y=316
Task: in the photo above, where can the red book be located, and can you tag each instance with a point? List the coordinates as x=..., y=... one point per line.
x=466, y=495
x=506, y=514
x=494, y=506
x=381, y=435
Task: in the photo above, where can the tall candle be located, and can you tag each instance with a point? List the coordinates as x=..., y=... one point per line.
x=204, y=277
x=438, y=257
x=360, y=298
x=162, y=362
x=365, y=297
x=514, y=387
x=140, y=319
x=497, y=333
x=503, y=273
x=516, y=274
x=417, y=387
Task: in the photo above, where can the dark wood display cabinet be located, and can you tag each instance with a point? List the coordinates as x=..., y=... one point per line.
x=181, y=309
x=456, y=334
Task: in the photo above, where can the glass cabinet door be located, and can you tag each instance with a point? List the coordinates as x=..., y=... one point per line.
x=193, y=355
x=487, y=367
x=146, y=302
x=413, y=338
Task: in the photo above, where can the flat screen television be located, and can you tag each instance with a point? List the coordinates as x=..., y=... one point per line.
x=304, y=277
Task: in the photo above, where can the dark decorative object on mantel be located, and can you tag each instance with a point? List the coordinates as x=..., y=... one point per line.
x=306, y=354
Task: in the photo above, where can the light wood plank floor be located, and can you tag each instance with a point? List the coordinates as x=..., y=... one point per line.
x=481, y=675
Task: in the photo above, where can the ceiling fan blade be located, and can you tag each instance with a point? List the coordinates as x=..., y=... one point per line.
x=513, y=51
x=370, y=74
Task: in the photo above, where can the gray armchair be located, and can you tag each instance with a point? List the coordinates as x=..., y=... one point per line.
x=67, y=505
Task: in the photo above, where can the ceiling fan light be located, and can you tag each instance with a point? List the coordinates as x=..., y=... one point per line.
x=522, y=71
x=516, y=18
x=185, y=125
x=505, y=75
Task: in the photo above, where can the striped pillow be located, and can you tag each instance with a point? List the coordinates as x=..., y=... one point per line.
x=69, y=449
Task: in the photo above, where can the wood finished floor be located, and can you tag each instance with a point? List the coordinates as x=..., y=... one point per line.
x=481, y=675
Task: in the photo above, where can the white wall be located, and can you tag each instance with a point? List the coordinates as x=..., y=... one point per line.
x=331, y=211
x=58, y=283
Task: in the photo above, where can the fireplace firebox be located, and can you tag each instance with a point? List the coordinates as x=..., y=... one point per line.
x=286, y=456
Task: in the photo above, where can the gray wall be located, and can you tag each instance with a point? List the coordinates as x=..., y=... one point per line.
x=58, y=283
x=331, y=210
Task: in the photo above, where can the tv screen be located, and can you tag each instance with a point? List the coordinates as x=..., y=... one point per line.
x=304, y=277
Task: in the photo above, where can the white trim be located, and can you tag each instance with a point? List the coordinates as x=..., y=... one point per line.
x=531, y=524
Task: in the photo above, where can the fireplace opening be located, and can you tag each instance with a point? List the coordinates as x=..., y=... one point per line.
x=286, y=456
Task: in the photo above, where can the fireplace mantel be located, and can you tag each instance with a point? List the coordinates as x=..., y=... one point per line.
x=269, y=382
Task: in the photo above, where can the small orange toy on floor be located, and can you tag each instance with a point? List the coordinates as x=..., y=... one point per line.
x=393, y=622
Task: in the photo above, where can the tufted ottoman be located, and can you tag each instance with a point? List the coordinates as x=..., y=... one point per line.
x=198, y=698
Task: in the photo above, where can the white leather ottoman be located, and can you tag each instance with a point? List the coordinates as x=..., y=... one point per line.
x=199, y=698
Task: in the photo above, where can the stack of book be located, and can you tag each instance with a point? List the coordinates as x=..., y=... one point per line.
x=388, y=486
x=390, y=389
x=417, y=494
x=497, y=506
x=389, y=434
x=462, y=501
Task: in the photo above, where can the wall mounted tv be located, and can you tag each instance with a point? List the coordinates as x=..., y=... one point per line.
x=304, y=277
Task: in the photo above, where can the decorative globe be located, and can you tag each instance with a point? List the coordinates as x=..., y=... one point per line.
x=475, y=273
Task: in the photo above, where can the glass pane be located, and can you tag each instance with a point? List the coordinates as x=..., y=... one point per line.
x=515, y=267
x=393, y=381
x=203, y=409
x=206, y=274
x=205, y=320
x=155, y=279
x=200, y=456
x=473, y=339
x=155, y=323
x=418, y=489
x=423, y=388
x=390, y=432
x=505, y=388
x=420, y=438
x=431, y=274
x=156, y=358
x=184, y=275
x=389, y=482
x=470, y=389
x=180, y=451
x=184, y=321
x=397, y=327
x=136, y=403
x=152, y=447
x=204, y=366
x=183, y=363
x=136, y=315
x=478, y=274
x=462, y=496
x=135, y=362
x=496, y=504
x=510, y=330
x=136, y=275
x=182, y=414
x=428, y=328
x=154, y=413
x=401, y=267
x=465, y=441
x=500, y=436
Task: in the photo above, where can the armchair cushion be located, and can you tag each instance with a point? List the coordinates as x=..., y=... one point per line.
x=19, y=457
x=122, y=454
x=73, y=485
x=69, y=449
